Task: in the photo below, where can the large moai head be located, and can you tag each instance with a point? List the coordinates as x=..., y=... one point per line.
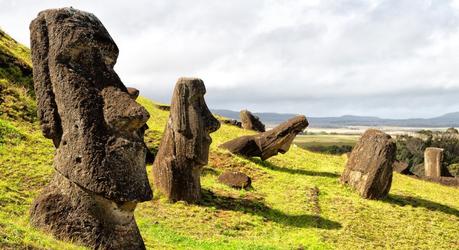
x=192, y=120
x=97, y=129
x=184, y=148
x=85, y=108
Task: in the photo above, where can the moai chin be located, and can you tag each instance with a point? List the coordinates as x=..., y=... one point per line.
x=433, y=158
x=97, y=129
x=184, y=147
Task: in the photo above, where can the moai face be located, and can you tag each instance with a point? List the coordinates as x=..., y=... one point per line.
x=86, y=109
x=195, y=122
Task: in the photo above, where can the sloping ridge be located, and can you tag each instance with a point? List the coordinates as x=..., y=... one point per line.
x=16, y=83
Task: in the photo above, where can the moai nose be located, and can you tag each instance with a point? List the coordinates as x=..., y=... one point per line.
x=121, y=111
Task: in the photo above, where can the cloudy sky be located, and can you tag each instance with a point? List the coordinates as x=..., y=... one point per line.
x=387, y=58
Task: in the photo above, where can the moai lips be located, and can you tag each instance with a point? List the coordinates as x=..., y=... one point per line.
x=97, y=128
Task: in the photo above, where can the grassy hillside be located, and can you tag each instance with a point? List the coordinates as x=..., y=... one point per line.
x=296, y=201
x=16, y=85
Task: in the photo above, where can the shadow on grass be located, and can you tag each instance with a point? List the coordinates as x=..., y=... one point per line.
x=419, y=202
x=255, y=207
x=290, y=170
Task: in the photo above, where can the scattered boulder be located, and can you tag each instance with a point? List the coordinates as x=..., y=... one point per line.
x=98, y=134
x=369, y=168
x=184, y=147
x=402, y=167
x=232, y=122
x=269, y=143
x=235, y=180
x=433, y=161
x=251, y=122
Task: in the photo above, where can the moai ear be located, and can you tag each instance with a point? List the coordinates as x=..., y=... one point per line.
x=47, y=109
x=180, y=104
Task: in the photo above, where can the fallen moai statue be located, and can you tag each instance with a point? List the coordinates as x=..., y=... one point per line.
x=251, y=122
x=269, y=143
x=184, y=147
x=369, y=168
x=97, y=129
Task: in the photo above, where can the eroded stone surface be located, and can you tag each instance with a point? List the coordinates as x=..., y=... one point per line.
x=235, y=180
x=184, y=147
x=250, y=121
x=433, y=158
x=269, y=143
x=369, y=168
x=97, y=128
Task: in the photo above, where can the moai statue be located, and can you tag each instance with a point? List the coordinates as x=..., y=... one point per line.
x=184, y=147
x=97, y=129
x=369, y=168
x=251, y=122
x=432, y=162
x=269, y=143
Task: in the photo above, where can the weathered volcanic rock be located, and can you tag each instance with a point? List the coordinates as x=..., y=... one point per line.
x=269, y=143
x=402, y=167
x=184, y=147
x=232, y=122
x=250, y=121
x=97, y=129
x=433, y=158
x=369, y=168
x=235, y=180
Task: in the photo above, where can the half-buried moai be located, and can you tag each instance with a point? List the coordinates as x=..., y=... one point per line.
x=433, y=158
x=369, y=168
x=184, y=147
x=97, y=129
x=251, y=122
x=269, y=143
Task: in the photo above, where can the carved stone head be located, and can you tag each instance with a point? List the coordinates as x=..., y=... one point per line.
x=85, y=108
x=192, y=119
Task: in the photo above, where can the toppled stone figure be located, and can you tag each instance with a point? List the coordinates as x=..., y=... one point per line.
x=97, y=129
x=184, y=147
x=251, y=122
x=369, y=168
x=269, y=143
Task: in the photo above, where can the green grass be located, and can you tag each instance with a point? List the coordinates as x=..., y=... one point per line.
x=326, y=140
x=296, y=202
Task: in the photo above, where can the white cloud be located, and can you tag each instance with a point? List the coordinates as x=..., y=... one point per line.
x=392, y=58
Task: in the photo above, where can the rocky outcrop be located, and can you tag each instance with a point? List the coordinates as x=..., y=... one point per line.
x=369, y=168
x=269, y=143
x=236, y=180
x=97, y=129
x=232, y=122
x=251, y=122
x=184, y=147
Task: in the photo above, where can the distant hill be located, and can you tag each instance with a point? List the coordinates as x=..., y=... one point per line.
x=446, y=120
